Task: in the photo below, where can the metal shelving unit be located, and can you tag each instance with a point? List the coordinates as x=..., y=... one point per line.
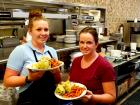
x=126, y=81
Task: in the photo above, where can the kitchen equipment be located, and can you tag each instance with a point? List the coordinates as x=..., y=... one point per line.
x=4, y=14
x=70, y=32
x=70, y=39
x=134, y=32
x=110, y=59
x=99, y=28
x=60, y=38
x=116, y=53
x=9, y=42
x=116, y=36
x=133, y=46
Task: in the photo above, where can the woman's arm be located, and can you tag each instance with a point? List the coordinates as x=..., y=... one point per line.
x=108, y=97
x=11, y=78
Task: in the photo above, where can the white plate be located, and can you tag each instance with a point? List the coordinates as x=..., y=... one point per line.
x=73, y=98
x=29, y=67
x=138, y=52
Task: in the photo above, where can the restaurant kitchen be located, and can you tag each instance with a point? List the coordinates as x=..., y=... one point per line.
x=65, y=21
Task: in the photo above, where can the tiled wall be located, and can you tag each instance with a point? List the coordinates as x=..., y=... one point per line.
x=117, y=12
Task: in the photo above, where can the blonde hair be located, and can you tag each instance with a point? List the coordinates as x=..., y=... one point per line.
x=30, y=25
x=35, y=13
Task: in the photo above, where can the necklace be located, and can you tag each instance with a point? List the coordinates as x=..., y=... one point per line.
x=87, y=61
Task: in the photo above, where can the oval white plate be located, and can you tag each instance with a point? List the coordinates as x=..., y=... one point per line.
x=73, y=98
x=29, y=67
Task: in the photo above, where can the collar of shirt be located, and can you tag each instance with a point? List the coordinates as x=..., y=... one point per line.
x=33, y=48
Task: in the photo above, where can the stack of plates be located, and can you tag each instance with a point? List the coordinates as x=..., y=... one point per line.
x=60, y=38
x=70, y=39
x=70, y=32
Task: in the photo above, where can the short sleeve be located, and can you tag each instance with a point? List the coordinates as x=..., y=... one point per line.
x=16, y=59
x=108, y=73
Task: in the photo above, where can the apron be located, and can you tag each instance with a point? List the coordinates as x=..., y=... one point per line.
x=41, y=91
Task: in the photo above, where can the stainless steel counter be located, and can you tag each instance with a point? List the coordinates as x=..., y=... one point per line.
x=5, y=52
x=115, y=64
x=64, y=46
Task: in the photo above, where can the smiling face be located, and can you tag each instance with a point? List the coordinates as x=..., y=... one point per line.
x=39, y=31
x=87, y=44
x=88, y=41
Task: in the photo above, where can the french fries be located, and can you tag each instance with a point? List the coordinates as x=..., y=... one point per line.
x=46, y=63
x=54, y=63
x=69, y=90
x=75, y=92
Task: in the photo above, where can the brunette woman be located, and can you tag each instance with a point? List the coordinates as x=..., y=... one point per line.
x=94, y=71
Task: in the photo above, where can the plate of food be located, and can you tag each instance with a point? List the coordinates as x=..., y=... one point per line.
x=70, y=90
x=45, y=64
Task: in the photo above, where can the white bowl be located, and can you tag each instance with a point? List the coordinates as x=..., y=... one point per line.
x=116, y=53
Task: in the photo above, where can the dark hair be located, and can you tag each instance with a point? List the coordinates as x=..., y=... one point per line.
x=92, y=31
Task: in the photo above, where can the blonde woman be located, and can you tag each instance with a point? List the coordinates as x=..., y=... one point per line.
x=35, y=88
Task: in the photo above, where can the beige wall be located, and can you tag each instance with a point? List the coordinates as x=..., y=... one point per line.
x=117, y=12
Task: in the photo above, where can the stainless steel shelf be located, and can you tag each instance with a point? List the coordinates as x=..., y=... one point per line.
x=60, y=47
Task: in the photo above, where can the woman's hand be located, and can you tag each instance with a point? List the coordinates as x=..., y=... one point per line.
x=57, y=75
x=35, y=75
x=87, y=97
